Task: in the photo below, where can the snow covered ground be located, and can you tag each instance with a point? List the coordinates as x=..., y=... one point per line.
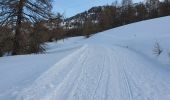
x=117, y=64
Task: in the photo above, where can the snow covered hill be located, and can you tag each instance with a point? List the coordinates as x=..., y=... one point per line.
x=118, y=64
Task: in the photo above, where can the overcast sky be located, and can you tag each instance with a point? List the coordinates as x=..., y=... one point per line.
x=72, y=7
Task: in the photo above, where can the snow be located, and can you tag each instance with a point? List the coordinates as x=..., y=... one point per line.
x=117, y=64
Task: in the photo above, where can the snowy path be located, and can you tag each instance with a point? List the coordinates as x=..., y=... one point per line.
x=98, y=72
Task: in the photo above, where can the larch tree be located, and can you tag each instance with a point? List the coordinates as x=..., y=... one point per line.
x=153, y=3
x=15, y=12
x=88, y=27
x=126, y=2
x=55, y=26
x=126, y=11
x=165, y=8
x=153, y=6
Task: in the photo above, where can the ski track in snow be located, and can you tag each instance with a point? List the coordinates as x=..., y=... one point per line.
x=120, y=74
x=116, y=64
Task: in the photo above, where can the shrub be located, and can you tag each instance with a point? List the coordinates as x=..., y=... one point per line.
x=157, y=49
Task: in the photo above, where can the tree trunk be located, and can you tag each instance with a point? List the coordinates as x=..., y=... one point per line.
x=17, y=38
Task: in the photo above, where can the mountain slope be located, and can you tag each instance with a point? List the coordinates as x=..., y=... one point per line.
x=117, y=64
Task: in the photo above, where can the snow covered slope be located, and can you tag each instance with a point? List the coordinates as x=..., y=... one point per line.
x=117, y=64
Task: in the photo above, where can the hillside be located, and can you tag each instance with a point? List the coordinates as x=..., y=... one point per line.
x=117, y=64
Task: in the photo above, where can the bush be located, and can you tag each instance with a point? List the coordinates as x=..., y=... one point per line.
x=157, y=49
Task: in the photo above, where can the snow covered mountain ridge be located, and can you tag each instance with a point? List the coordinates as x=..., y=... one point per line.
x=117, y=64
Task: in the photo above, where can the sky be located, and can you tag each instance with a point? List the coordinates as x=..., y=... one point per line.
x=72, y=7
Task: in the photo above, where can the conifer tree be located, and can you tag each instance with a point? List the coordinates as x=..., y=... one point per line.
x=15, y=12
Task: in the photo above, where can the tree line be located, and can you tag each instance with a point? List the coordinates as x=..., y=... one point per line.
x=114, y=15
x=25, y=25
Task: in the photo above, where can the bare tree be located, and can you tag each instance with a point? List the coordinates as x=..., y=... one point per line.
x=169, y=55
x=153, y=6
x=126, y=2
x=55, y=25
x=5, y=40
x=88, y=27
x=14, y=12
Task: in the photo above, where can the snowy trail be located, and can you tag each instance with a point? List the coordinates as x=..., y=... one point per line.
x=98, y=72
x=117, y=64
